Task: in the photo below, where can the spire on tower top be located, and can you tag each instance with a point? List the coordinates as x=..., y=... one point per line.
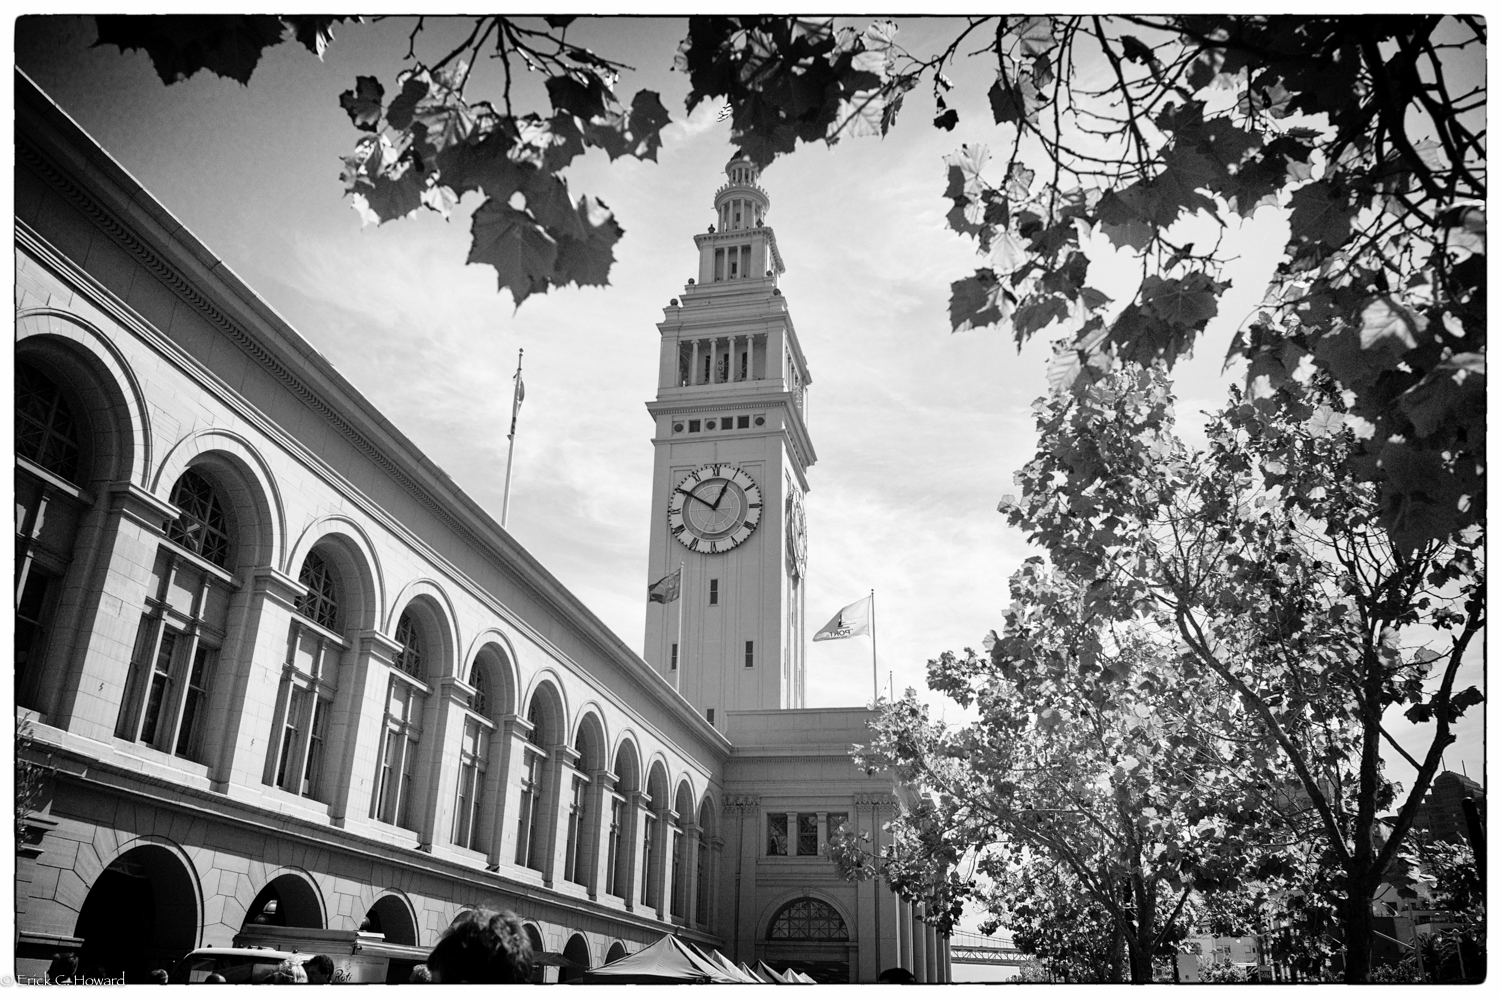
x=740, y=203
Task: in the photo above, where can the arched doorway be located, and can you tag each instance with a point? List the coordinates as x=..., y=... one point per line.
x=287, y=900
x=392, y=919
x=140, y=914
x=809, y=935
x=575, y=959
x=534, y=937
x=617, y=951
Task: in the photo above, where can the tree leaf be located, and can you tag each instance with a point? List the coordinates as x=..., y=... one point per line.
x=975, y=301
x=399, y=114
x=1318, y=215
x=1190, y=302
x=363, y=103
x=522, y=254
x=1006, y=103
x=179, y=45
x=587, y=260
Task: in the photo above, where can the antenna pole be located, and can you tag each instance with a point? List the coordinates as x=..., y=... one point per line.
x=516, y=394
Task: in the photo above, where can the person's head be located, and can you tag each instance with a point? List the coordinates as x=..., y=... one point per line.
x=288, y=972
x=482, y=946
x=896, y=976
x=64, y=965
x=214, y=978
x=158, y=976
x=319, y=968
x=420, y=975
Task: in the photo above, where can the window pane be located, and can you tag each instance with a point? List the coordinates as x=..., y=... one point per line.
x=320, y=603
x=807, y=919
x=46, y=432
x=807, y=834
x=776, y=835
x=409, y=659
x=201, y=528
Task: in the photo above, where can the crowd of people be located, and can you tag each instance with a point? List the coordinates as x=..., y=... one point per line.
x=482, y=946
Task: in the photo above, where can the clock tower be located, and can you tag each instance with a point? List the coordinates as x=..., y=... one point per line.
x=732, y=454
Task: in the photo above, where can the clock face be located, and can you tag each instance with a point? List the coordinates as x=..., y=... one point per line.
x=797, y=536
x=714, y=508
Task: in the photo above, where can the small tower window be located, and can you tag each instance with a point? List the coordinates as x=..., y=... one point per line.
x=719, y=265
x=710, y=713
x=745, y=267
x=750, y=655
x=674, y=655
x=713, y=592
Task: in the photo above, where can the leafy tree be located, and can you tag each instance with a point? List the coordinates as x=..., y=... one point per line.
x=1158, y=132
x=1072, y=936
x=427, y=143
x=1266, y=556
x=1092, y=749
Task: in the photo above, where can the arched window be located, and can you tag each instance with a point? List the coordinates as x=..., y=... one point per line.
x=201, y=528
x=530, y=830
x=46, y=432
x=409, y=659
x=807, y=919
x=305, y=701
x=479, y=702
x=321, y=602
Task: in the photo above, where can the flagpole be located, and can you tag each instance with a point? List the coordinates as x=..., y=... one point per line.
x=875, y=683
x=505, y=502
x=682, y=606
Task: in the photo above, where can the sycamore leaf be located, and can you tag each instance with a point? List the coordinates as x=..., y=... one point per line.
x=648, y=118
x=363, y=103
x=1019, y=182
x=583, y=95
x=1318, y=215
x=413, y=89
x=976, y=301
x=395, y=193
x=1385, y=324
x=1120, y=214
x=1190, y=302
x=179, y=45
x=440, y=199
x=1134, y=51
x=1036, y=35
x=586, y=260
x=1033, y=314
x=548, y=201
x=1418, y=497
x=482, y=165
x=522, y=254
x=315, y=32
x=1006, y=103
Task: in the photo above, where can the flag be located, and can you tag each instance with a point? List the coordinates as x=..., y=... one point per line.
x=667, y=589
x=853, y=620
x=724, y=113
x=516, y=399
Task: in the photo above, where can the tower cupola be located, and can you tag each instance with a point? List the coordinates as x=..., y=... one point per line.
x=740, y=203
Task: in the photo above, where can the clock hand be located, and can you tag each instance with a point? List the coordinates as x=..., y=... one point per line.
x=720, y=496
x=691, y=495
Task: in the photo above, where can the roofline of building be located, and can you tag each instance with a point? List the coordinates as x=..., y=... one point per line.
x=280, y=345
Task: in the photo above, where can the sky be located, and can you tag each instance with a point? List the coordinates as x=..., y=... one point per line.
x=918, y=430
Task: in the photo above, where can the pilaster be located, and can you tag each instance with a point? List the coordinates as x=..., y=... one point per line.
x=111, y=613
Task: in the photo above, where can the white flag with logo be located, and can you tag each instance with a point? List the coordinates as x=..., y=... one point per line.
x=853, y=620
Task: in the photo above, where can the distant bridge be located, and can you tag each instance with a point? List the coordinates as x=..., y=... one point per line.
x=974, y=948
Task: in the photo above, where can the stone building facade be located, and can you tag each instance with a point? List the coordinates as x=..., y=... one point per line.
x=274, y=669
